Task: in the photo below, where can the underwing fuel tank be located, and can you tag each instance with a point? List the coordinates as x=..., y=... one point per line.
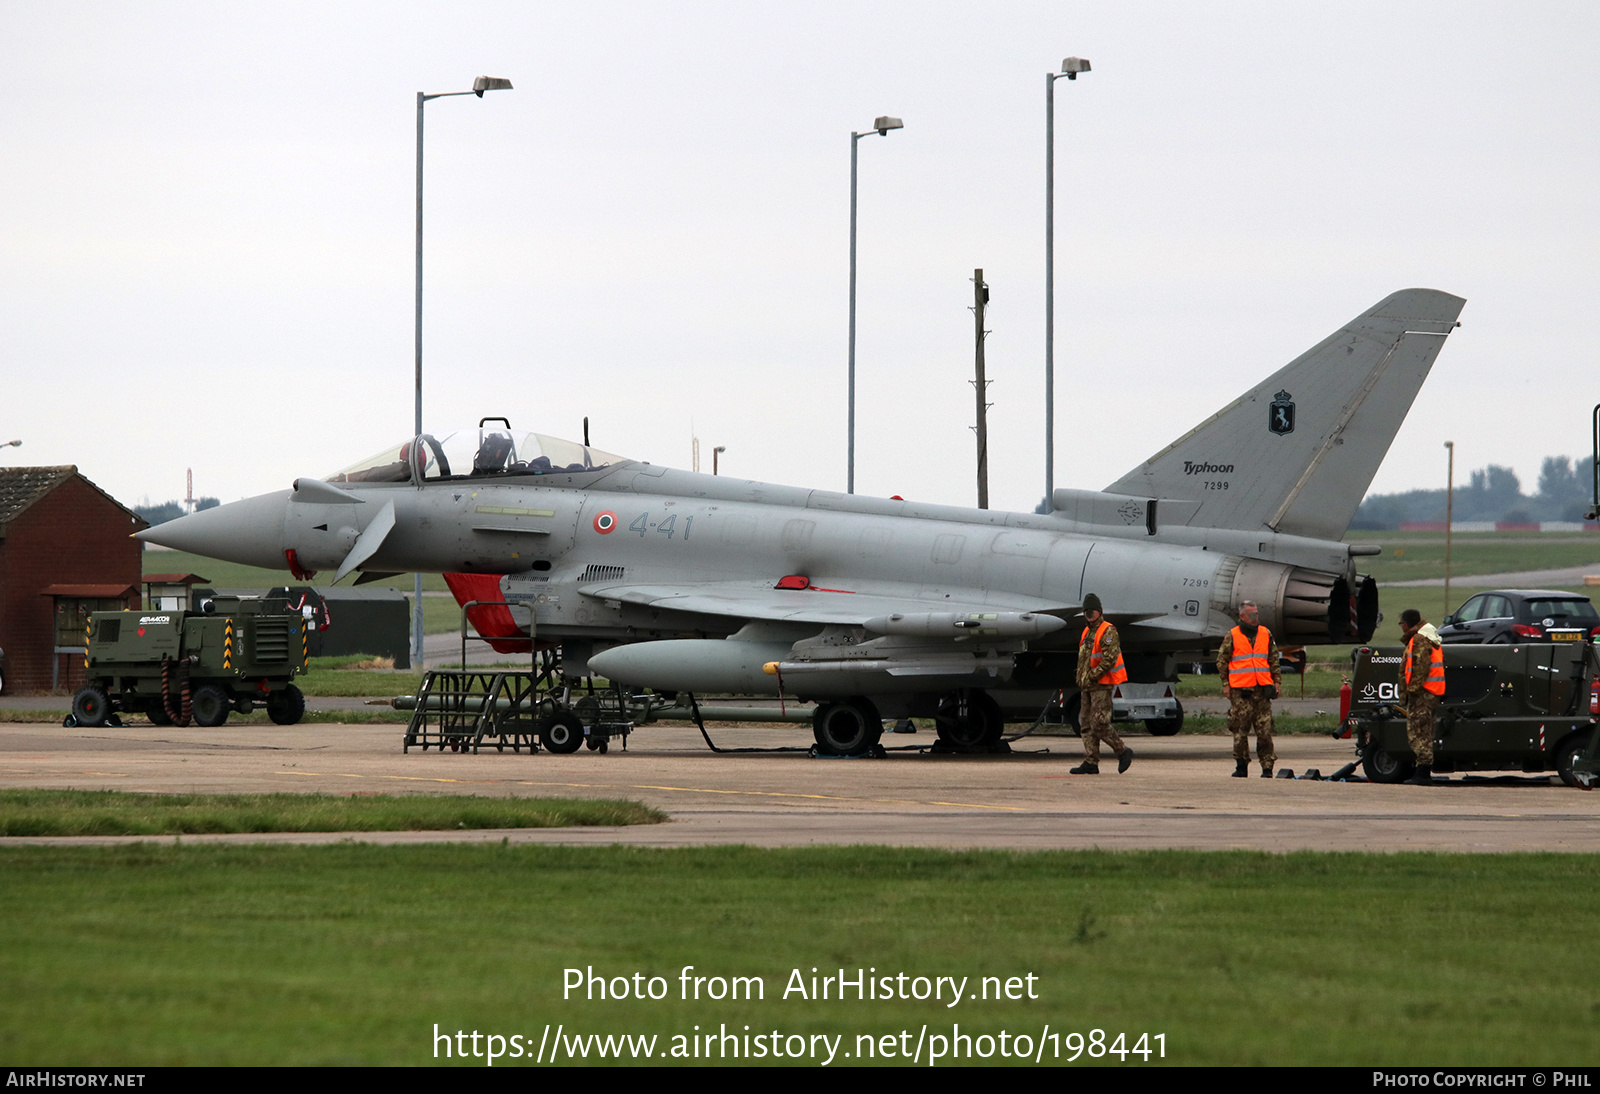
x=899, y=652
x=700, y=665
x=712, y=666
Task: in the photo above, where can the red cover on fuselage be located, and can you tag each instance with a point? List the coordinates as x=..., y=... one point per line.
x=492, y=621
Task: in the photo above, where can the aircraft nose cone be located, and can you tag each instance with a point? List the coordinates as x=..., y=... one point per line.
x=248, y=532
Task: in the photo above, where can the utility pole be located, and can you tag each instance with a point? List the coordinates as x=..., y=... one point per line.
x=980, y=298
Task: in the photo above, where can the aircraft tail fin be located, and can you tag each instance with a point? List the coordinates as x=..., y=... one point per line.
x=1296, y=453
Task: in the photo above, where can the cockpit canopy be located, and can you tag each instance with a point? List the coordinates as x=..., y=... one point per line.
x=476, y=454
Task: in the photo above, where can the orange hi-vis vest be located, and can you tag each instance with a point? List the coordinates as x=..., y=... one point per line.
x=1435, y=682
x=1118, y=674
x=1248, y=667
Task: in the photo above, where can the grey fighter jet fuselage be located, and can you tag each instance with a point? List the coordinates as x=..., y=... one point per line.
x=880, y=607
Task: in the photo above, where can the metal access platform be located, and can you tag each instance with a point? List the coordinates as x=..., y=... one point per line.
x=459, y=710
x=467, y=710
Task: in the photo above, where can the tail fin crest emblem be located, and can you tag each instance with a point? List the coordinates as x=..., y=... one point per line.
x=1280, y=415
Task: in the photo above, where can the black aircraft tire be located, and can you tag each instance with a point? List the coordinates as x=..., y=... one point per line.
x=984, y=723
x=562, y=733
x=286, y=707
x=1166, y=727
x=848, y=728
x=1566, y=755
x=211, y=706
x=90, y=707
x=994, y=718
x=1074, y=713
x=1385, y=767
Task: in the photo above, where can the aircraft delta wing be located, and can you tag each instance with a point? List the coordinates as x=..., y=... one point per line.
x=674, y=580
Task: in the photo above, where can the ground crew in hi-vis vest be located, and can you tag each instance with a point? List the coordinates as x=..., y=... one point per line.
x=1099, y=670
x=1251, y=677
x=1422, y=683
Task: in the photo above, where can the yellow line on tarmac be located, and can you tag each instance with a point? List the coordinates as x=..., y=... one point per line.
x=777, y=794
x=652, y=786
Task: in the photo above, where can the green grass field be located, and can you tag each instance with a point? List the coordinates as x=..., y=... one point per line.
x=115, y=813
x=1411, y=556
x=350, y=954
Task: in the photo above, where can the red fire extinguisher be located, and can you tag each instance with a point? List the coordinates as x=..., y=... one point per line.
x=1344, y=706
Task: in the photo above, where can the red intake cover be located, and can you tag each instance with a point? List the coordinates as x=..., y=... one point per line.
x=493, y=621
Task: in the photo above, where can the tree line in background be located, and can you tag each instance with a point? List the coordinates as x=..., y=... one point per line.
x=171, y=510
x=1492, y=493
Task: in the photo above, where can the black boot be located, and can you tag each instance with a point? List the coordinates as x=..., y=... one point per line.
x=1243, y=770
x=1423, y=777
x=1085, y=768
x=1124, y=760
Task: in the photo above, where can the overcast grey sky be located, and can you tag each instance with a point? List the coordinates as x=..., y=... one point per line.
x=206, y=228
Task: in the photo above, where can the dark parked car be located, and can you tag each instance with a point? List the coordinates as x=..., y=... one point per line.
x=1522, y=615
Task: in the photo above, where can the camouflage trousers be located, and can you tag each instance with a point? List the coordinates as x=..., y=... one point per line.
x=1420, y=709
x=1250, y=711
x=1094, y=714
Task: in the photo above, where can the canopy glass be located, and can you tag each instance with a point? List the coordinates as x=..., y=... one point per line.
x=476, y=454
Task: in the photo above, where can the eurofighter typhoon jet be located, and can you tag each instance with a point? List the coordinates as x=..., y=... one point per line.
x=878, y=608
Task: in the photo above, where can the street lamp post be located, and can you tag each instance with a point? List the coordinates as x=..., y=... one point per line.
x=1449, y=515
x=881, y=126
x=715, y=452
x=1070, y=69
x=479, y=86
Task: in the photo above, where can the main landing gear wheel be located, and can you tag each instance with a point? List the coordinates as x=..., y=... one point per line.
x=850, y=728
x=562, y=732
x=211, y=706
x=1074, y=713
x=1386, y=767
x=969, y=720
x=90, y=707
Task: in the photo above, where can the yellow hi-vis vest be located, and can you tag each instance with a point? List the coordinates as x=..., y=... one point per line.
x=1435, y=682
x=1248, y=667
x=1118, y=674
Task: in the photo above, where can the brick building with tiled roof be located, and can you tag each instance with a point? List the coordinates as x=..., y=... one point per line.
x=65, y=550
